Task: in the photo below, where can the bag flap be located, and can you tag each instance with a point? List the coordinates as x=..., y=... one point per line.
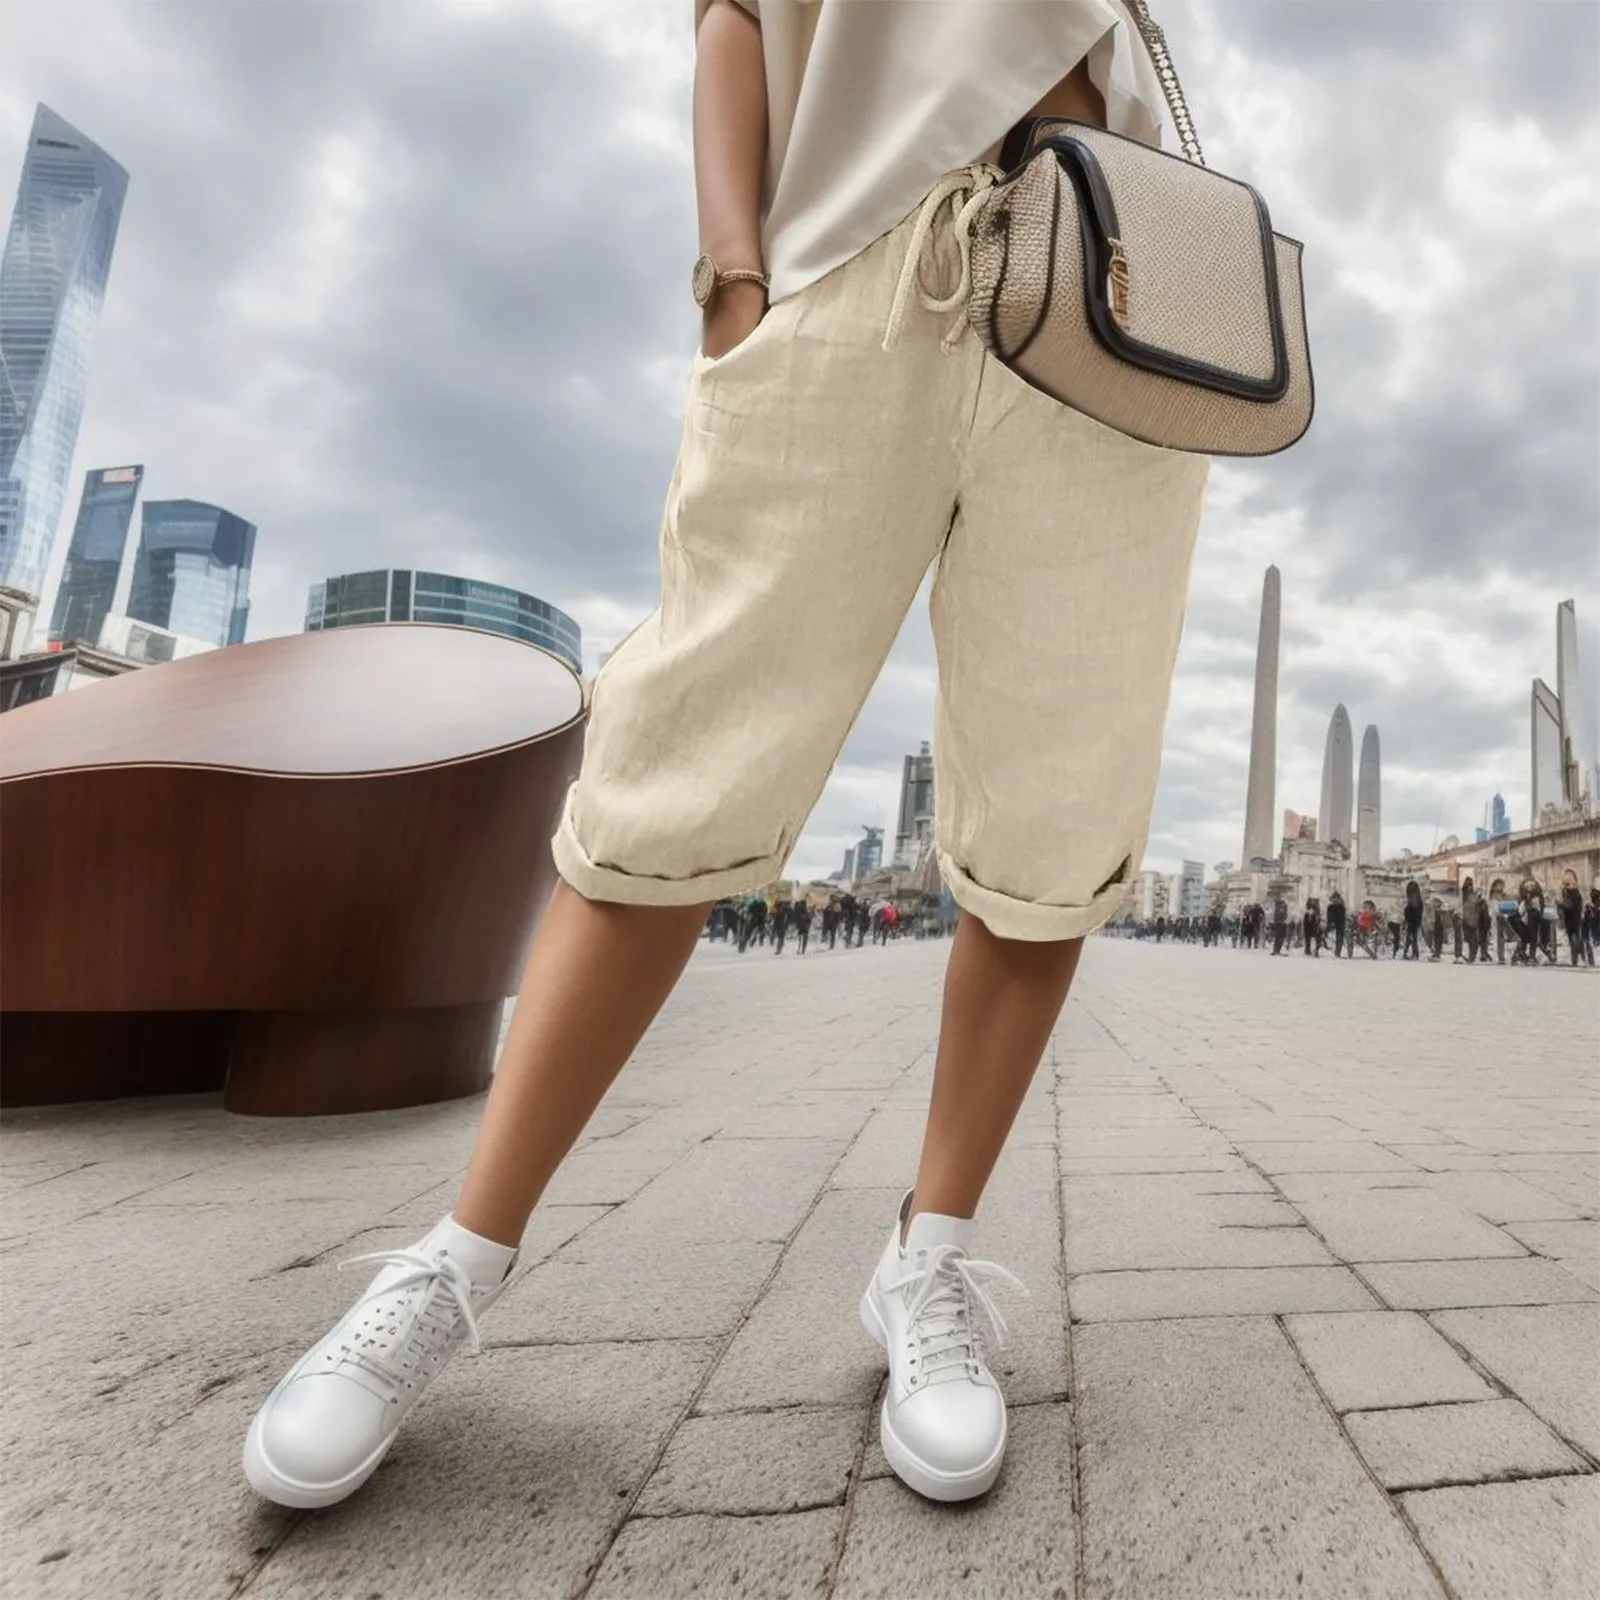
x=1180, y=262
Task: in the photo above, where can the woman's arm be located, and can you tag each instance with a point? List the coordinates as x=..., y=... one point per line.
x=730, y=144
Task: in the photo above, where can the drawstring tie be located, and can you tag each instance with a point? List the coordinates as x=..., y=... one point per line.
x=974, y=183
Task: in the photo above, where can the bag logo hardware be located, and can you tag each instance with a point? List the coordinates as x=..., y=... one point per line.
x=1118, y=283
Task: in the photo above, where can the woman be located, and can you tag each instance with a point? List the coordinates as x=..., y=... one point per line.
x=1528, y=923
x=1572, y=914
x=1501, y=908
x=845, y=432
x=1413, y=919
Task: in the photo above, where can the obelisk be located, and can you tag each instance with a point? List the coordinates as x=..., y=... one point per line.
x=1369, y=803
x=1260, y=815
x=1338, y=759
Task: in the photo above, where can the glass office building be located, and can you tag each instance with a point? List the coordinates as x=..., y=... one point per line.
x=52, y=284
x=192, y=572
x=94, y=558
x=399, y=594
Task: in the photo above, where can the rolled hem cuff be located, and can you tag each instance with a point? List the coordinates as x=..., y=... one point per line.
x=1009, y=918
x=595, y=882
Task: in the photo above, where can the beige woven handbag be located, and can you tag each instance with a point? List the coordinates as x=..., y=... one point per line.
x=1141, y=287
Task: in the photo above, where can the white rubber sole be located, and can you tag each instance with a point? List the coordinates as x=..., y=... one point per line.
x=909, y=1468
x=273, y=1486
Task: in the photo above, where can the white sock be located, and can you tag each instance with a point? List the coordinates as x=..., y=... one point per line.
x=485, y=1261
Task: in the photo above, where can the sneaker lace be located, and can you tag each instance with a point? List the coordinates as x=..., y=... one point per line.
x=404, y=1330
x=944, y=1288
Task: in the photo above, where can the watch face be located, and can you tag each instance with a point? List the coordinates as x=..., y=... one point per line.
x=705, y=280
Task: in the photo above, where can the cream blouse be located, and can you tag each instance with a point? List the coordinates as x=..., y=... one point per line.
x=870, y=102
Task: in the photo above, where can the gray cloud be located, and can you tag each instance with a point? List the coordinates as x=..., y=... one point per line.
x=406, y=283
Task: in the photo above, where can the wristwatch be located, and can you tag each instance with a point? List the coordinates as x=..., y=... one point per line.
x=709, y=277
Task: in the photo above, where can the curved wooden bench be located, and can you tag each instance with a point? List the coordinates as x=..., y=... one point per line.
x=307, y=869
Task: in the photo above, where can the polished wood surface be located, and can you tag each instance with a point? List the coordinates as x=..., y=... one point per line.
x=349, y=700
x=219, y=834
x=319, y=1063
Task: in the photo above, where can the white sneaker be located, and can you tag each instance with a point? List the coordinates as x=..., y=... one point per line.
x=329, y=1423
x=943, y=1423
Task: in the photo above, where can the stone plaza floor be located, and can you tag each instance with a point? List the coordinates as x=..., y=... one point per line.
x=1314, y=1313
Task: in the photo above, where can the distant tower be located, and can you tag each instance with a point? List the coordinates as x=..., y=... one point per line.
x=1338, y=758
x=94, y=558
x=1260, y=816
x=191, y=573
x=1574, y=766
x=1499, y=819
x=52, y=282
x=1369, y=803
x=1548, y=788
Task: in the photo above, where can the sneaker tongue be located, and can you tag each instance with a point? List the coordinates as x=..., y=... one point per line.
x=928, y=1230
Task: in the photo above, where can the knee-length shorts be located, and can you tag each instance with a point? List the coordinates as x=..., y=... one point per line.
x=819, y=477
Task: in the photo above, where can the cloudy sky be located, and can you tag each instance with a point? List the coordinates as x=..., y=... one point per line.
x=405, y=283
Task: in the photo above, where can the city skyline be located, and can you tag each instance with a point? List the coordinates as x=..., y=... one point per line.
x=1443, y=501
x=53, y=272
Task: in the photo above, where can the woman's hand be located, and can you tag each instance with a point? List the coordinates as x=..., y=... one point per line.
x=731, y=317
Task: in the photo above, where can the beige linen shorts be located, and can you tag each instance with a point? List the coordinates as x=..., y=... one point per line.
x=818, y=477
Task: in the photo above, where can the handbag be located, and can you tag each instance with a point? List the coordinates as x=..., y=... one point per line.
x=1140, y=287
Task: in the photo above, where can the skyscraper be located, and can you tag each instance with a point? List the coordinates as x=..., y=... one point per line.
x=1574, y=766
x=52, y=285
x=1369, y=802
x=399, y=594
x=94, y=558
x=1499, y=818
x=916, y=804
x=1338, y=756
x=1260, y=815
x=192, y=572
x=1545, y=748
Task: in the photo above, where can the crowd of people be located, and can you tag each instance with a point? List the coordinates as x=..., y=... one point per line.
x=1495, y=925
x=753, y=921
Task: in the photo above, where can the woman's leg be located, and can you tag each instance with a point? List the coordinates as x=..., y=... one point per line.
x=1001, y=999
x=596, y=977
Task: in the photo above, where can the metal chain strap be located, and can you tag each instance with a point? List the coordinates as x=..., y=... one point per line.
x=1161, y=58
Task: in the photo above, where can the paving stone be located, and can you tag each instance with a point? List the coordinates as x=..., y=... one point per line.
x=803, y=1344
x=1429, y=1446
x=885, y=1156
x=1016, y=1540
x=751, y=1462
x=1548, y=1356
x=635, y=1290
x=1444, y=1157
x=1118, y=1223
x=1209, y=1467
x=1088, y=1166
x=1215, y=1291
x=1417, y=1225
x=1274, y=1156
x=838, y=1116
x=1503, y=1197
x=732, y=1558
x=709, y=1195
x=1364, y=1360
x=1433, y=1285
x=1574, y=1245
x=1503, y=1541
x=601, y=1175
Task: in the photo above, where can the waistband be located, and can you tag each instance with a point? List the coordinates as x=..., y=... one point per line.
x=962, y=191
